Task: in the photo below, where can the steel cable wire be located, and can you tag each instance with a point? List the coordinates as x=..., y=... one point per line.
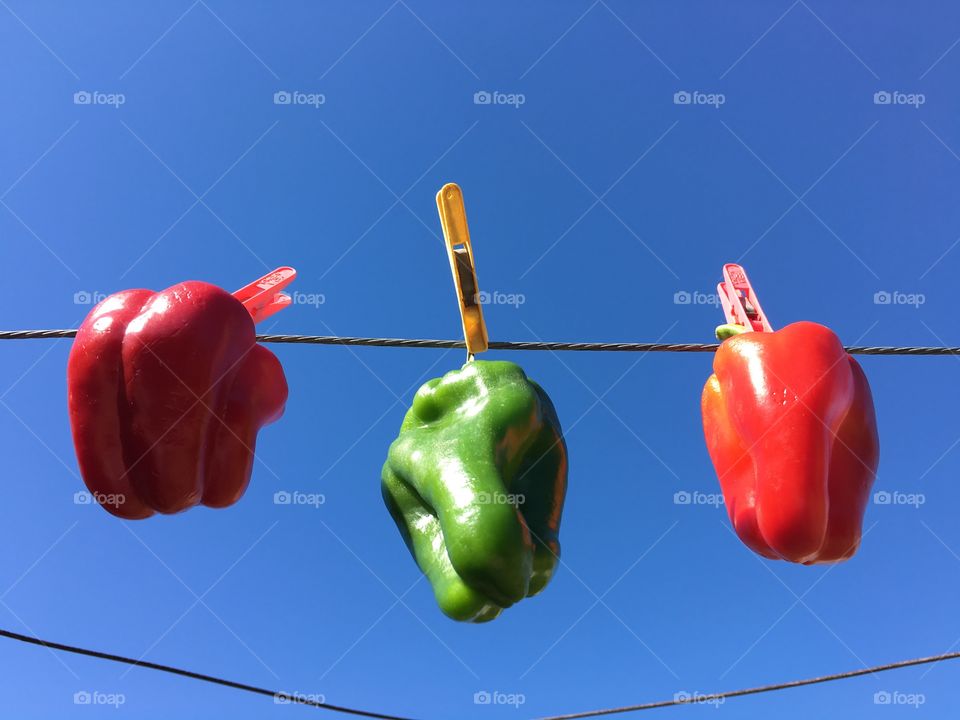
x=507, y=345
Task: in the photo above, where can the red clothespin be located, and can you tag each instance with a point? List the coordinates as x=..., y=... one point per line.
x=262, y=298
x=739, y=301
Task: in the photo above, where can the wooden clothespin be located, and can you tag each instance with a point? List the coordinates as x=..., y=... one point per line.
x=453, y=219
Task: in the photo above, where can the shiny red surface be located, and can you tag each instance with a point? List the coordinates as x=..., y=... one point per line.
x=167, y=392
x=789, y=423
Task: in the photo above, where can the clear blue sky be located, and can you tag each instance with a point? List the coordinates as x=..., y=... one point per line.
x=597, y=199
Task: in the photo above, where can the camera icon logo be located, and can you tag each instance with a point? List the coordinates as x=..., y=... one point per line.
x=682, y=97
x=82, y=497
x=481, y=698
x=282, y=497
x=81, y=697
x=82, y=97
x=482, y=97
x=282, y=97
x=681, y=298
x=881, y=697
x=882, y=497
x=881, y=297
x=81, y=297
x=882, y=97
x=682, y=497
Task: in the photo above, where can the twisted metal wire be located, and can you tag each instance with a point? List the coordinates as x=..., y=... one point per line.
x=509, y=345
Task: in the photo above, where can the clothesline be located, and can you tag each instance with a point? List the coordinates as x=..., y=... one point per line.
x=508, y=345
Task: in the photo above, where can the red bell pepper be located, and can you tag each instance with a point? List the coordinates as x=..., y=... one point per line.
x=167, y=392
x=790, y=427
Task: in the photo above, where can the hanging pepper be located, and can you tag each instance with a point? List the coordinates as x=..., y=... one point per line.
x=475, y=483
x=790, y=427
x=167, y=391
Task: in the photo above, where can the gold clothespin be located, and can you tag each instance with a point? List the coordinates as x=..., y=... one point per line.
x=453, y=219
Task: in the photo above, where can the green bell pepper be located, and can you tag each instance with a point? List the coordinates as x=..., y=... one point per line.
x=475, y=483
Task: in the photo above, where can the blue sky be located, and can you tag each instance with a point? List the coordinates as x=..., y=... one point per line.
x=594, y=197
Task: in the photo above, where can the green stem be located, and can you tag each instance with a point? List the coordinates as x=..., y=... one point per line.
x=729, y=330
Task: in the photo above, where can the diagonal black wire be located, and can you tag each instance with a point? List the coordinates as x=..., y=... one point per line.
x=681, y=699
x=508, y=345
x=701, y=699
x=276, y=694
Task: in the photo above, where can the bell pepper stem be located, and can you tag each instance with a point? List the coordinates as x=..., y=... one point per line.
x=729, y=330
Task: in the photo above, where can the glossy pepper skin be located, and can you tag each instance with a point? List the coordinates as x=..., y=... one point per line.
x=790, y=427
x=475, y=482
x=167, y=391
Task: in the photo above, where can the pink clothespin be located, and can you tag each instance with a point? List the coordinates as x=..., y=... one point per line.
x=739, y=301
x=262, y=298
